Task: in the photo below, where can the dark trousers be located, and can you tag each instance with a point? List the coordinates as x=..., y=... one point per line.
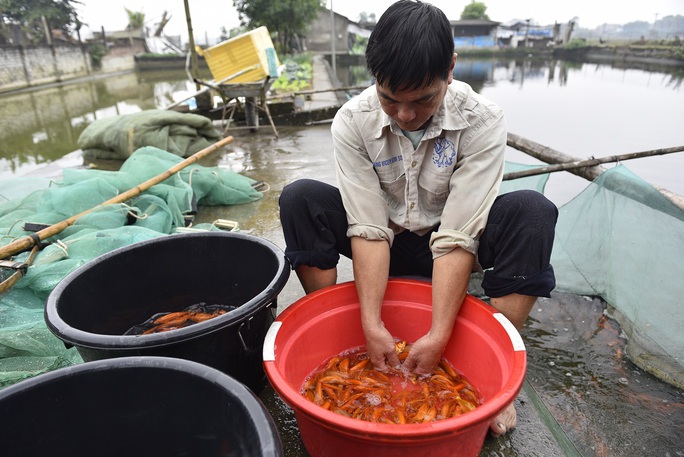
x=514, y=250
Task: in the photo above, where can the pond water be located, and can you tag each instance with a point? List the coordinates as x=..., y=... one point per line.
x=602, y=403
x=582, y=109
x=585, y=110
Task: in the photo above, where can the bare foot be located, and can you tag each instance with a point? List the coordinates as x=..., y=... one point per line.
x=504, y=422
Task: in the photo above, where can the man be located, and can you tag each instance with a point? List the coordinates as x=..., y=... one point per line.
x=419, y=160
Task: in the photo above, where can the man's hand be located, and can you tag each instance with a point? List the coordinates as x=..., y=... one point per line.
x=381, y=348
x=371, y=269
x=424, y=356
x=450, y=277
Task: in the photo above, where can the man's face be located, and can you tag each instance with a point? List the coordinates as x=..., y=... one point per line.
x=413, y=109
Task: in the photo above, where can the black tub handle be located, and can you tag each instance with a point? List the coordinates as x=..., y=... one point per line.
x=244, y=345
x=273, y=306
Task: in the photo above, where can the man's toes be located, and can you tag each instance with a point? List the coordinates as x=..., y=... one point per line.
x=497, y=428
x=504, y=422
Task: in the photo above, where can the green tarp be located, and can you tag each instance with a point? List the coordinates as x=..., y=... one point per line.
x=181, y=134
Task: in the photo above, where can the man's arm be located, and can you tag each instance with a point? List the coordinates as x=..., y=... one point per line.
x=371, y=271
x=473, y=188
x=450, y=277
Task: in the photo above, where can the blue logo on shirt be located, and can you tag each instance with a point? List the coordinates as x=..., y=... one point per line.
x=444, y=153
x=387, y=162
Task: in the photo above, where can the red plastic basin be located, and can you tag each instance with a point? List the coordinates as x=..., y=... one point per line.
x=484, y=346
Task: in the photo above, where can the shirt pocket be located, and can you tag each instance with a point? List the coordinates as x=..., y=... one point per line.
x=433, y=190
x=393, y=189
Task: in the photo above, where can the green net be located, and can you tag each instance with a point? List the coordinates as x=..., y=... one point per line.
x=117, y=137
x=622, y=240
x=27, y=347
x=537, y=182
x=619, y=239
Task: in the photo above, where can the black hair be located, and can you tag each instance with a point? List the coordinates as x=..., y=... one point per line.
x=411, y=45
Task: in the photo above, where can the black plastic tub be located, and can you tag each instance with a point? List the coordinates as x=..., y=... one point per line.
x=94, y=306
x=135, y=406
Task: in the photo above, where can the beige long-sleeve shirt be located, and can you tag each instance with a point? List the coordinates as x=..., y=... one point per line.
x=450, y=180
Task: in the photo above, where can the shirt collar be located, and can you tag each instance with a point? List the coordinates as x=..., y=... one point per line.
x=448, y=117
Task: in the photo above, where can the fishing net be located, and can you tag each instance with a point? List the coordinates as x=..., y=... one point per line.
x=27, y=347
x=622, y=240
x=117, y=137
x=537, y=182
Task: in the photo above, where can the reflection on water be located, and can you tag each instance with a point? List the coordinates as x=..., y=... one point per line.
x=581, y=109
x=605, y=404
x=479, y=73
x=41, y=126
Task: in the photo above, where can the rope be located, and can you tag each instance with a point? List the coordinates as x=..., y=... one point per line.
x=551, y=423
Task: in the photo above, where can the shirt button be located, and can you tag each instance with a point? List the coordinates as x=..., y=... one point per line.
x=412, y=205
x=413, y=164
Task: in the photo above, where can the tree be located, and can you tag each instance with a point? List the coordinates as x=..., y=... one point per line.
x=670, y=26
x=287, y=20
x=636, y=29
x=34, y=17
x=232, y=33
x=365, y=18
x=160, y=27
x=475, y=10
x=136, y=19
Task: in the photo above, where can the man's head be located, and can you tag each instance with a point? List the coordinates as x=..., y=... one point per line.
x=411, y=46
x=411, y=55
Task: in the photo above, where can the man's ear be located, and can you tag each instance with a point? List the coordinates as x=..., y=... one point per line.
x=451, y=68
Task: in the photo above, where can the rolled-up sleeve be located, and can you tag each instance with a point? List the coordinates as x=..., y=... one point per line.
x=367, y=210
x=475, y=183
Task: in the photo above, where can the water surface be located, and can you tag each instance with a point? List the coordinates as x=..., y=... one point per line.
x=582, y=109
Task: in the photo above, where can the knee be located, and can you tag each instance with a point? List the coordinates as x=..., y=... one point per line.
x=529, y=214
x=292, y=193
x=534, y=206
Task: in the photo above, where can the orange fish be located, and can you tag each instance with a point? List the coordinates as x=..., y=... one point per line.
x=350, y=386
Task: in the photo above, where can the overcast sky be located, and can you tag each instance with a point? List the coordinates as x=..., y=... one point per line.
x=208, y=16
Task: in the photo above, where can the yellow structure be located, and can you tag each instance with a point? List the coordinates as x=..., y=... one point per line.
x=253, y=49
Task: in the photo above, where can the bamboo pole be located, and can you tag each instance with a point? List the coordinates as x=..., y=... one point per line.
x=191, y=44
x=317, y=91
x=566, y=166
x=12, y=280
x=212, y=85
x=27, y=242
x=549, y=155
x=593, y=171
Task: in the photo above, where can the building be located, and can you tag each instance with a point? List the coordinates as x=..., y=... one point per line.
x=525, y=33
x=474, y=33
x=347, y=34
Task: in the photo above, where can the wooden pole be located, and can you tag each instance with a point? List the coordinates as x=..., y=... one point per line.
x=12, y=280
x=27, y=242
x=590, y=162
x=549, y=155
x=191, y=40
x=593, y=171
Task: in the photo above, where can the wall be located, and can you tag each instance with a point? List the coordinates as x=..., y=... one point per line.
x=25, y=66
x=28, y=66
x=617, y=56
x=318, y=39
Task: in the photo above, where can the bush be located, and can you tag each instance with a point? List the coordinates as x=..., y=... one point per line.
x=576, y=43
x=97, y=51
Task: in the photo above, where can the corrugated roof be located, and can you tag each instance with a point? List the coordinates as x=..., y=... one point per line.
x=474, y=22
